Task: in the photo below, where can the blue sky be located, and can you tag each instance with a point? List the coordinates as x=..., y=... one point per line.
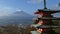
x=8, y=7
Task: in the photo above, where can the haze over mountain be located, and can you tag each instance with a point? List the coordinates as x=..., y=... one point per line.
x=18, y=17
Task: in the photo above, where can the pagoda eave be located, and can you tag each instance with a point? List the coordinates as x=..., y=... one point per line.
x=49, y=18
x=47, y=27
x=47, y=11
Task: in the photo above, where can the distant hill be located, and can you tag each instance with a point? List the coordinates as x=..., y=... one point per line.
x=18, y=17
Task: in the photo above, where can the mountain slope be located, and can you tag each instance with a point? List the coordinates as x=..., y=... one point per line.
x=19, y=17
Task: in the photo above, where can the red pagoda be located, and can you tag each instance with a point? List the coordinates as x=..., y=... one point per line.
x=44, y=20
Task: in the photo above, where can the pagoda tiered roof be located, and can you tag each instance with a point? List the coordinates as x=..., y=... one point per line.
x=49, y=18
x=44, y=26
x=51, y=26
x=47, y=11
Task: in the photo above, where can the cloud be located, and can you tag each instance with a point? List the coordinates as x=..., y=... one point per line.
x=18, y=9
x=5, y=11
x=55, y=7
x=34, y=1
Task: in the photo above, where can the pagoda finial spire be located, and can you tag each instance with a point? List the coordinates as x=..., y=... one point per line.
x=45, y=4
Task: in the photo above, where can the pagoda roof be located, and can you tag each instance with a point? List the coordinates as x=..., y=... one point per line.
x=44, y=26
x=51, y=26
x=49, y=18
x=47, y=11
